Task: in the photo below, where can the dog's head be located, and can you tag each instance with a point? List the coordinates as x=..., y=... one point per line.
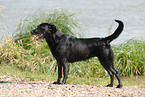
x=42, y=30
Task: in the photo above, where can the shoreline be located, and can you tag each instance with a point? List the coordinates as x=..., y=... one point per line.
x=10, y=87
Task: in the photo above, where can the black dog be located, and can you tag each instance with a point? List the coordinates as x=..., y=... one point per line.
x=71, y=49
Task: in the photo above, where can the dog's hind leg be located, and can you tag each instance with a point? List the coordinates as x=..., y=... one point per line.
x=105, y=64
x=114, y=71
x=117, y=76
x=106, y=59
x=108, y=65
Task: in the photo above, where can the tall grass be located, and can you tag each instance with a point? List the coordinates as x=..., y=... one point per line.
x=20, y=51
x=35, y=56
x=63, y=19
x=130, y=58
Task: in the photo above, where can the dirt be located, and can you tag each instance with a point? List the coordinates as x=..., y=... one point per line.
x=19, y=88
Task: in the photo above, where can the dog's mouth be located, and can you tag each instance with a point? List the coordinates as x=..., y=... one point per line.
x=39, y=36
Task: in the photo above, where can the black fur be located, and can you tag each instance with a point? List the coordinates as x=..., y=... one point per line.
x=67, y=48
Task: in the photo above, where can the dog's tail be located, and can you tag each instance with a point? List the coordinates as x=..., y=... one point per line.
x=116, y=33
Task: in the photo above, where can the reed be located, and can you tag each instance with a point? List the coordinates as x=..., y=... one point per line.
x=130, y=58
x=34, y=56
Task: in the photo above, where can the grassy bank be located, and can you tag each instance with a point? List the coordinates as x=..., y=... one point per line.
x=19, y=51
x=13, y=74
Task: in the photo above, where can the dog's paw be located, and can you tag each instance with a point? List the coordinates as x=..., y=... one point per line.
x=62, y=83
x=59, y=83
x=119, y=86
x=56, y=83
x=109, y=85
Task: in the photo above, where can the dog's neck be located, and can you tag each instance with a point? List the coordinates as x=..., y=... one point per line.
x=52, y=41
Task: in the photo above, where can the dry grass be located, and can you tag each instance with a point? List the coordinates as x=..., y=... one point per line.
x=34, y=56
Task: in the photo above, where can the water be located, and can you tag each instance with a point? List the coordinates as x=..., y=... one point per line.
x=95, y=15
x=134, y=79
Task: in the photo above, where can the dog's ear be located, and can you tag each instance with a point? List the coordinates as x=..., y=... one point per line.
x=53, y=28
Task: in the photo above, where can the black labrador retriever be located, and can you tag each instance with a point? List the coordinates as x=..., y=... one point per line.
x=67, y=48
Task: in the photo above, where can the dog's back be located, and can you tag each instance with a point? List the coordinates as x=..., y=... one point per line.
x=77, y=49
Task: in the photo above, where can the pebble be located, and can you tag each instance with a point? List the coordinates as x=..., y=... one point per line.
x=45, y=89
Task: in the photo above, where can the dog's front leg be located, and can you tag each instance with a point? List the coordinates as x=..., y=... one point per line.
x=59, y=73
x=65, y=72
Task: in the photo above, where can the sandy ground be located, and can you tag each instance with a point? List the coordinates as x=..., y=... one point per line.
x=11, y=88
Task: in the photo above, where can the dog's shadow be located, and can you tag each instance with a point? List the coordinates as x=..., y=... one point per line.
x=3, y=82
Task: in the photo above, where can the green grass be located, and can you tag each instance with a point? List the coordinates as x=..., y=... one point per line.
x=34, y=57
x=130, y=58
x=63, y=19
x=16, y=75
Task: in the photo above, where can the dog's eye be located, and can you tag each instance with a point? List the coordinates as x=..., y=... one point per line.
x=41, y=29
